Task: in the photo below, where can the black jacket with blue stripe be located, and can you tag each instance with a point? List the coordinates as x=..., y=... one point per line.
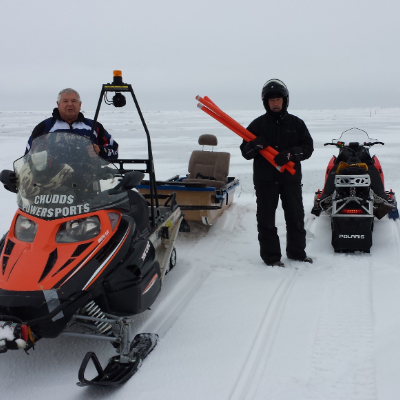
x=82, y=126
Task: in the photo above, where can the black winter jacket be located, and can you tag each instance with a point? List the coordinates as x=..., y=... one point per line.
x=289, y=133
x=82, y=126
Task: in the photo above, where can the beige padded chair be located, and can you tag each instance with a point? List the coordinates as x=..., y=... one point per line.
x=209, y=164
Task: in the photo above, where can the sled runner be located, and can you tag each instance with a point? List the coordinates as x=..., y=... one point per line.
x=354, y=193
x=84, y=251
x=207, y=191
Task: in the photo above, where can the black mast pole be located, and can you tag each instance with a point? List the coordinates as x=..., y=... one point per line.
x=96, y=115
x=153, y=186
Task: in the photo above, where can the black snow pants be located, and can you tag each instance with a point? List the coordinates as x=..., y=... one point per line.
x=292, y=204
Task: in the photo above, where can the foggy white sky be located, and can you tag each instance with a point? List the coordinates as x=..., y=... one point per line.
x=331, y=54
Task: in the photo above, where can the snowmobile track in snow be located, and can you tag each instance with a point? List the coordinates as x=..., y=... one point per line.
x=257, y=359
x=343, y=354
x=205, y=250
x=309, y=225
x=395, y=228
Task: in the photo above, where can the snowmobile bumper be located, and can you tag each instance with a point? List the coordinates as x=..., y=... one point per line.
x=119, y=368
x=352, y=233
x=42, y=310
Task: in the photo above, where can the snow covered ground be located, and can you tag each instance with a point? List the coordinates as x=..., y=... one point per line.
x=230, y=327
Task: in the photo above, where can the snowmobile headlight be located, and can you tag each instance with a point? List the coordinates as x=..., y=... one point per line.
x=78, y=230
x=25, y=229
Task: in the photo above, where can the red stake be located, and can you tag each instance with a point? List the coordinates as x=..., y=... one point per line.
x=265, y=153
x=214, y=111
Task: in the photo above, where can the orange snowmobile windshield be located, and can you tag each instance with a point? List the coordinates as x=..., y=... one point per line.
x=62, y=176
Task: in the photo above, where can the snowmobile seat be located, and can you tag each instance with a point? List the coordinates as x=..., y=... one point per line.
x=139, y=210
x=208, y=167
x=352, y=169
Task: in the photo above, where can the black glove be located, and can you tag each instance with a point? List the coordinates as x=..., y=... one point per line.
x=260, y=143
x=283, y=157
x=9, y=179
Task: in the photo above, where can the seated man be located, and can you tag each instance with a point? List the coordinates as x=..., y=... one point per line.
x=68, y=118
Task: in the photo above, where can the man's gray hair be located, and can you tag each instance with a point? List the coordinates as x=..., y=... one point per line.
x=68, y=90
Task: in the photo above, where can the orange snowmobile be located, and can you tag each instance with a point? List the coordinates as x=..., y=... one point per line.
x=84, y=252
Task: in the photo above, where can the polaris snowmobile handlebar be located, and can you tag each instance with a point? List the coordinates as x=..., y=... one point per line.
x=370, y=144
x=340, y=144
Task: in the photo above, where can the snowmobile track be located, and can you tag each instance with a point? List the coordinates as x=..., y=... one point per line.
x=169, y=310
x=257, y=359
x=205, y=249
x=345, y=332
x=309, y=225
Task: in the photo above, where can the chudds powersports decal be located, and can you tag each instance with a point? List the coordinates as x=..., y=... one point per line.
x=40, y=209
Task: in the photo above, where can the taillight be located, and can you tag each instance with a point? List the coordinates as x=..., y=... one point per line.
x=350, y=211
x=78, y=230
x=25, y=229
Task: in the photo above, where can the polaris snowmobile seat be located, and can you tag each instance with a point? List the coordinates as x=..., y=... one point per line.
x=139, y=210
x=352, y=169
x=208, y=167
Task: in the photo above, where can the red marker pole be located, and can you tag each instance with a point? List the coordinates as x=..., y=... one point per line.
x=211, y=105
x=249, y=134
x=245, y=134
x=265, y=153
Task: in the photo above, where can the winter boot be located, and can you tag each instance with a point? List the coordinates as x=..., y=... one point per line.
x=275, y=264
x=303, y=259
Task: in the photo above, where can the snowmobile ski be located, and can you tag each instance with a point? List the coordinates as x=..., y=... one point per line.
x=116, y=371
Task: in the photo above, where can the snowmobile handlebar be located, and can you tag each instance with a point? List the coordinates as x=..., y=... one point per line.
x=370, y=144
x=341, y=144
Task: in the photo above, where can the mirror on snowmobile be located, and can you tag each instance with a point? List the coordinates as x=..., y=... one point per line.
x=129, y=181
x=9, y=180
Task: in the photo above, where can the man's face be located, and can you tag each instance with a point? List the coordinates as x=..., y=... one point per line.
x=276, y=104
x=69, y=107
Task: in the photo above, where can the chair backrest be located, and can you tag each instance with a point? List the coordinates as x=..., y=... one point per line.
x=209, y=164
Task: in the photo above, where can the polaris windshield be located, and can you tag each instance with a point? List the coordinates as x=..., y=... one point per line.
x=354, y=135
x=62, y=176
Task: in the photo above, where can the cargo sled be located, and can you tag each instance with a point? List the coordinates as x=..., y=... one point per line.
x=84, y=252
x=207, y=191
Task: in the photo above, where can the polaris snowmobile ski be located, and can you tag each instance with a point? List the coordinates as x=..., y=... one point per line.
x=84, y=251
x=354, y=193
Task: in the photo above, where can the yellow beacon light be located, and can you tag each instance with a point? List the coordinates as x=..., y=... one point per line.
x=117, y=78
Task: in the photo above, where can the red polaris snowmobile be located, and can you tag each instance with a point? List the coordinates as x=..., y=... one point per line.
x=354, y=192
x=84, y=252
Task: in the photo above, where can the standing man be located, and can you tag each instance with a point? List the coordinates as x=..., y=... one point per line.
x=290, y=137
x=68, y=118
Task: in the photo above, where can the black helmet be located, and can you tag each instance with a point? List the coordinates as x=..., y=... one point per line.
x=275, y=88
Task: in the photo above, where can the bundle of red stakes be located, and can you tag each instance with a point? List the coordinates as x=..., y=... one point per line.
x=214, y=111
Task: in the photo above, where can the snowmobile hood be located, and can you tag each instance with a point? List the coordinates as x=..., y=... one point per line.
x=55, y=253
